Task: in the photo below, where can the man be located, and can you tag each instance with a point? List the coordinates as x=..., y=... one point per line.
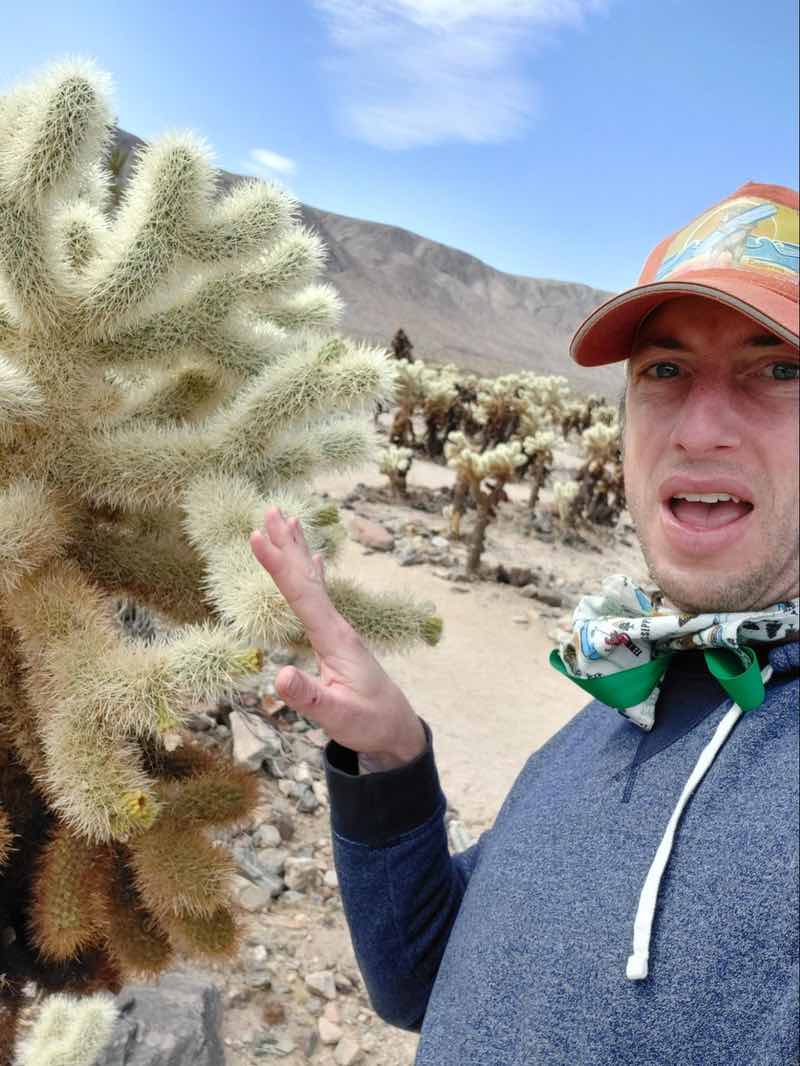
x=569, y=934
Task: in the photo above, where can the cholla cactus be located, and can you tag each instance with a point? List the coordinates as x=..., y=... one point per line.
x=69, y=1032
x=597, y=496
x=441, y=410
x=395, y=463
x=549, y=393
x=496, y=467
x=602, y=496
x=501, y=405
x=409, y=393
x=563, y=505
x=578, y=415
x=538, y=450
x=164, y=377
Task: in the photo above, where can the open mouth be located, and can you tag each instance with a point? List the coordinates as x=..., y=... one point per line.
x=708, y=510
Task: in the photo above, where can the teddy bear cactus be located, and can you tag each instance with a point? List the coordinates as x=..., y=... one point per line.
x=167, y=372
x=480, y=477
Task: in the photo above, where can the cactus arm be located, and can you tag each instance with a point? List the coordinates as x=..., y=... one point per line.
x=338, y=444
x=334, y=375
x=169, y=192
x=202, y=315
x=385, y=620
x=58, y=127
x=21, y=402
x=69, y=1032
x=141, y=468
x=158, y=569
x=187, y=394
x=35, y=525
x=241, y=222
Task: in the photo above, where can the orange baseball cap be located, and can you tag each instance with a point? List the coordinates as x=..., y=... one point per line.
x=743, y=252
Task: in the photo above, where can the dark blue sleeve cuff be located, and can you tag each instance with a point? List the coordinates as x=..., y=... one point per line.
x=375, y=809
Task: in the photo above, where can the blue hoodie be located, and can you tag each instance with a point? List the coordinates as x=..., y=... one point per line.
x=514, y=952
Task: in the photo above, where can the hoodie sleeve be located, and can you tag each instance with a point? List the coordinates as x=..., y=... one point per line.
x=401, y=888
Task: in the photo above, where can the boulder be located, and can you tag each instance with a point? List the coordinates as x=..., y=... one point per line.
x=253, y=740
x=175, y=1022
x=370, y=534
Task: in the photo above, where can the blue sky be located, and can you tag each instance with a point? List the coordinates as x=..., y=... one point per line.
x=555, y=138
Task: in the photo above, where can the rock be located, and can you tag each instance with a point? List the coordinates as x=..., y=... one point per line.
x=552, y=599
x=322, y=982
x=343, y=982
x=266, y=836
x=329, y=1032
x=347, y=1052
x=440, y=542
x=276, y=767
x=253, y=740
x=256, y=897
x=302, y=773
x=284, y=824
x=174, y=1022
x=529, y=591
x=307, y=802
x=409, y=557
x=370, y=534
x=301, y=874
x=330, y=879
x=274, y=1012
x=201, y=722
x=273, y=1047
x=273, y=860
x=519, y=576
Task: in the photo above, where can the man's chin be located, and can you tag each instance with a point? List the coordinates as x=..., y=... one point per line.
x=699, y=590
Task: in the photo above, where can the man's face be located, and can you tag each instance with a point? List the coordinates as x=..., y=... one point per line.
x=712, y=410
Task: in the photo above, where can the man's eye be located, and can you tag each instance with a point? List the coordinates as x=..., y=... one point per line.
x=662, y=370
x=785, y=371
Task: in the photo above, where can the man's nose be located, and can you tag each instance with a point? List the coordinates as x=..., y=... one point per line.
x=707, y=420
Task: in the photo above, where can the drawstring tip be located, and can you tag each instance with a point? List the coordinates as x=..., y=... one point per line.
x=637, y=968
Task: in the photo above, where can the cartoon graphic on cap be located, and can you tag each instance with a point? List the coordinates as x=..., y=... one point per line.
x=744, y=233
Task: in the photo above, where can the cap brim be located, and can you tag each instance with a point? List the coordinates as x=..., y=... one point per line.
x=607, y=335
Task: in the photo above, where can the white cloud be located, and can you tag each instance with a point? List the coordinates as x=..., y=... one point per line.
x=416, y=72
x=264, y=160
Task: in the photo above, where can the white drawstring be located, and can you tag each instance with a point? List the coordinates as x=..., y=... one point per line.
x=636, y=969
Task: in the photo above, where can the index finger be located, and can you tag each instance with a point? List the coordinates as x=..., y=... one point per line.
x=282, y=550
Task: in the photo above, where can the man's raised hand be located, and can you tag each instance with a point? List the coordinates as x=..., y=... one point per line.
x=354, y=700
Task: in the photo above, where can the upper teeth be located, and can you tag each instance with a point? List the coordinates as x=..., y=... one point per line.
x=706, y=497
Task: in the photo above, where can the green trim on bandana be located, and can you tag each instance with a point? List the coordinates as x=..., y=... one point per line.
x=627, y=688
x=622, y=641
x=745, y=687
x=624, y=689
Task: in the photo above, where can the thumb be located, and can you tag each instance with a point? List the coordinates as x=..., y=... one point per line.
x=300, y=690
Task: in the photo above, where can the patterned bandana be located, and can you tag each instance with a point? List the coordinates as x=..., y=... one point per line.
x=621, y=644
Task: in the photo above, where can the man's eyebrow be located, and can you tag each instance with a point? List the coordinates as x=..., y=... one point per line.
x=671, y=344
x=763, y=340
